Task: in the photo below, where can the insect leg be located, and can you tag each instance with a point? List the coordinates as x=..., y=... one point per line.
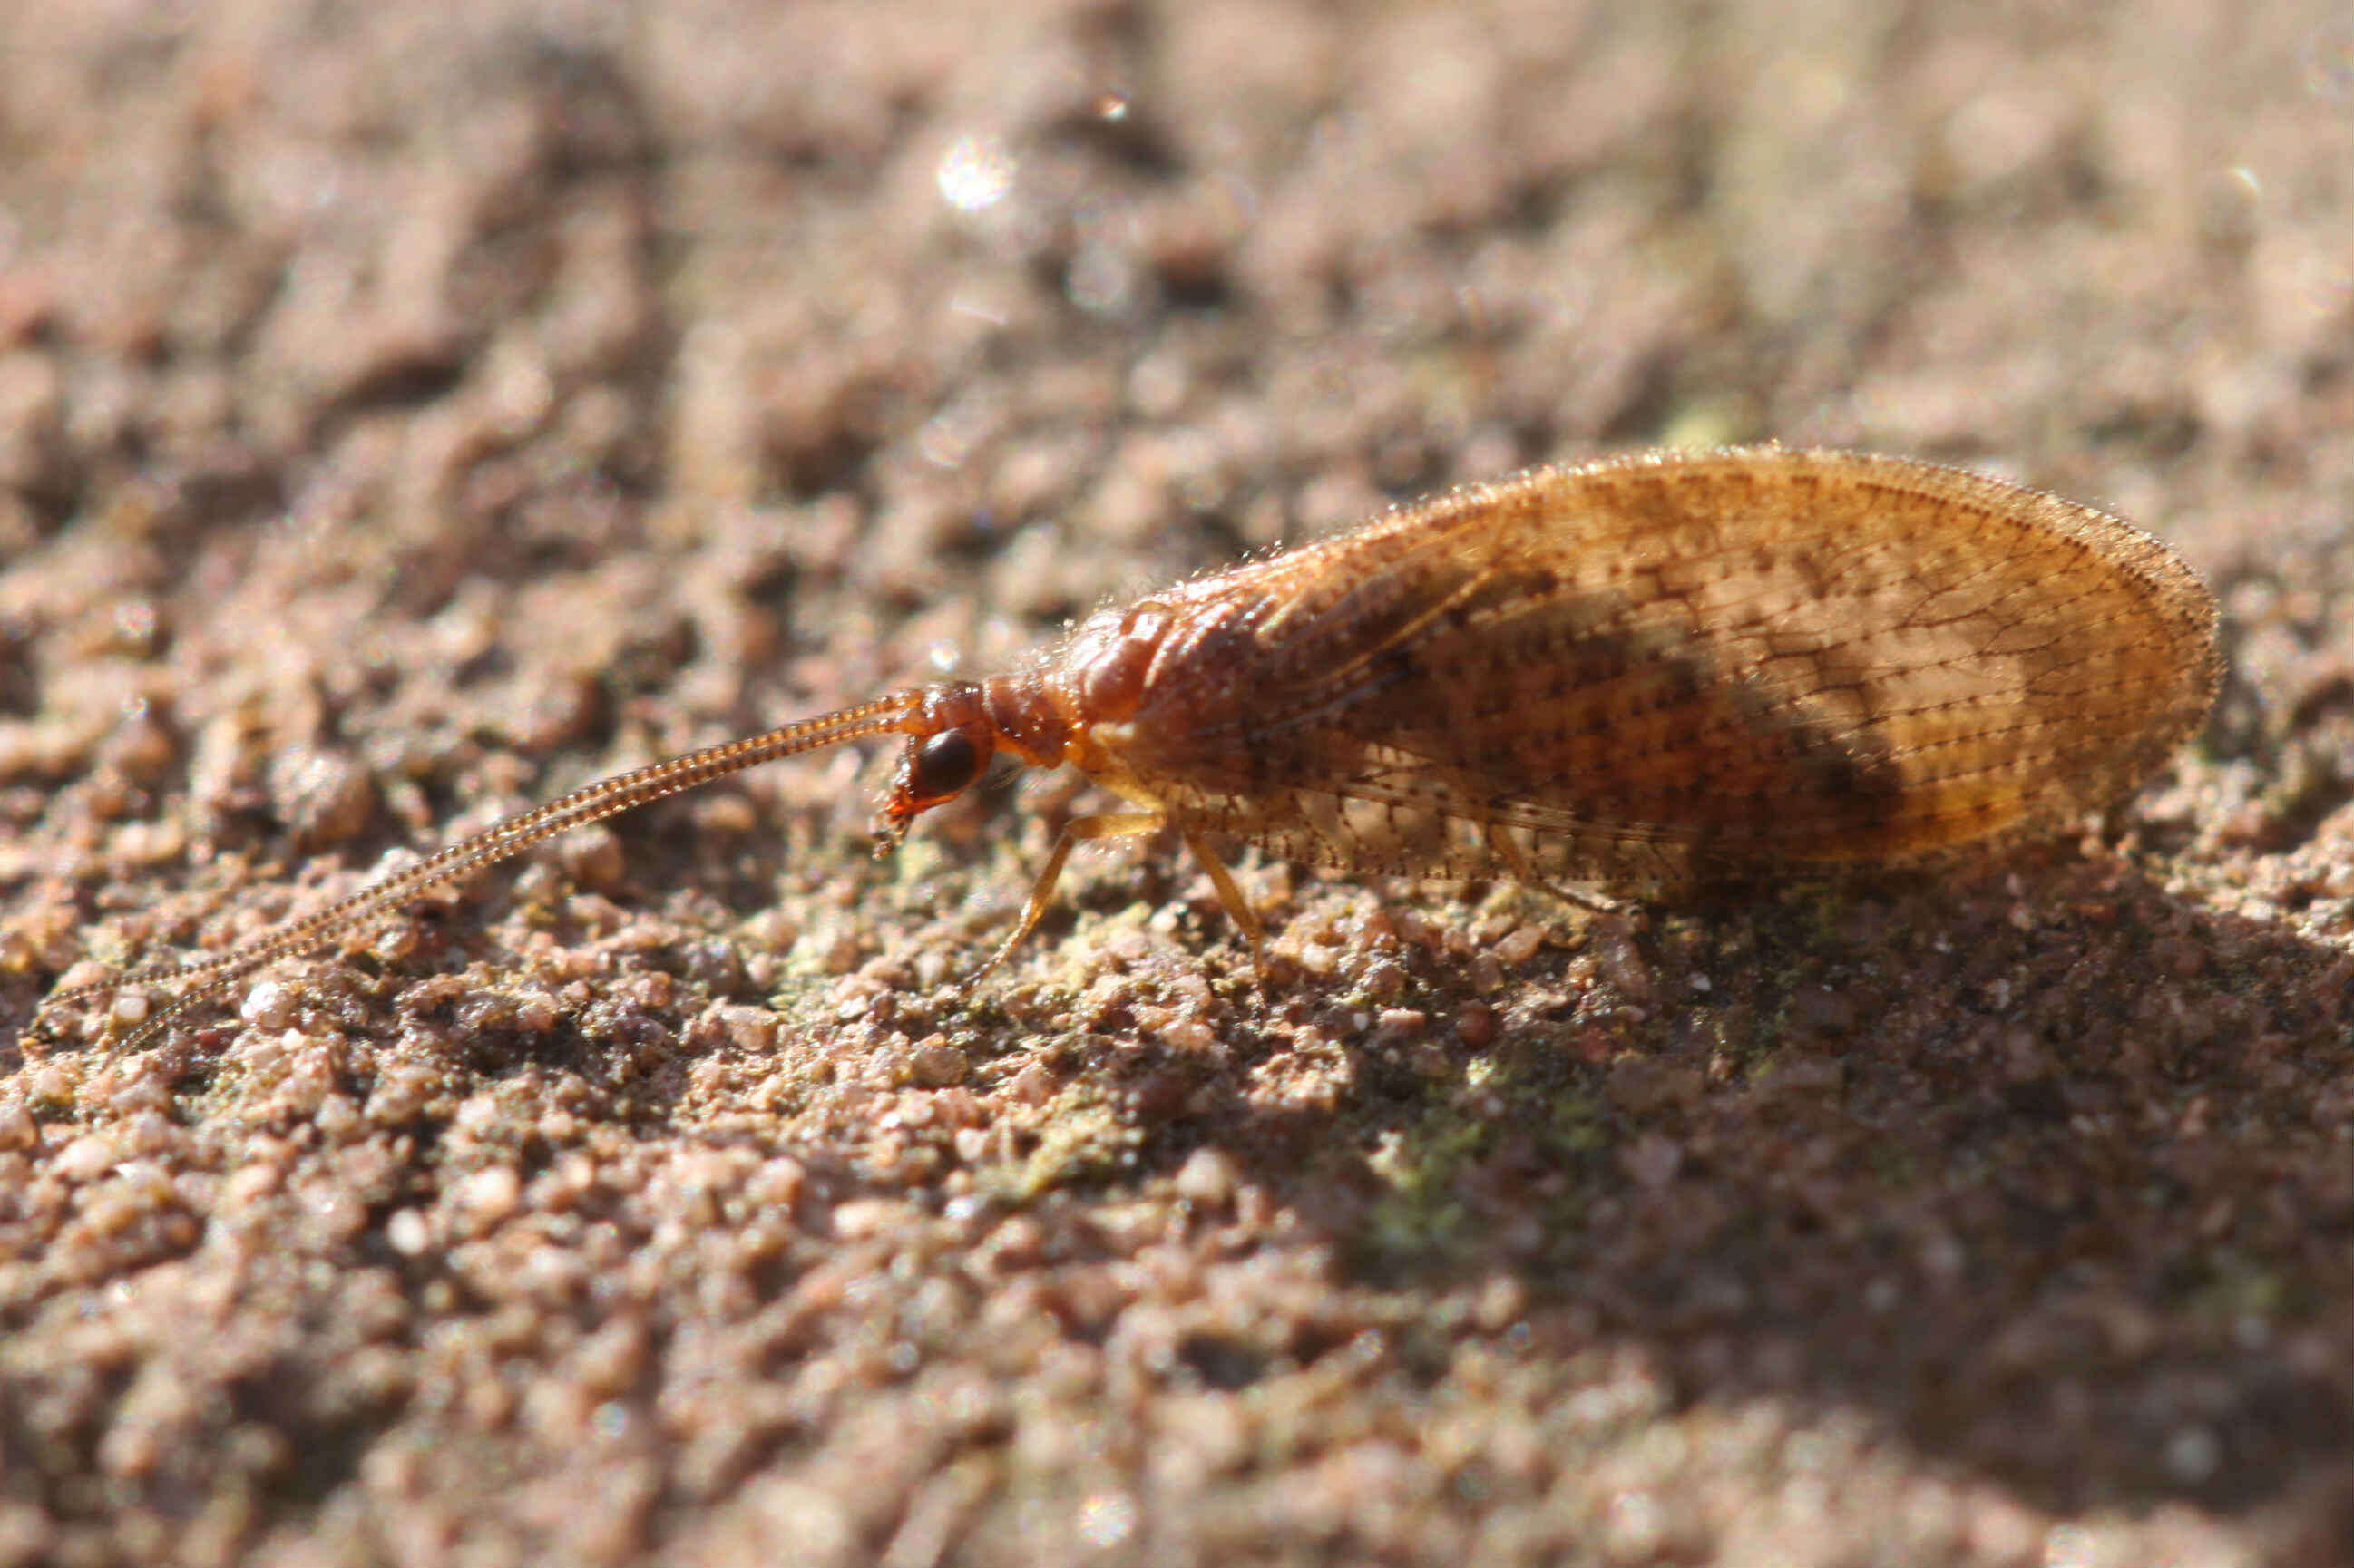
x=1237, y=907
x=1085, y=830
x=1507, y=850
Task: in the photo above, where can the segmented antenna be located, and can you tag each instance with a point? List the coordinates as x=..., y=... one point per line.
x=591, y=803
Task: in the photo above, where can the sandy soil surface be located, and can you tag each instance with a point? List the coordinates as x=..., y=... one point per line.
x=409, y=412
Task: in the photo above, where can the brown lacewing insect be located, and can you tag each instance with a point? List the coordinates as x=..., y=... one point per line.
x=1648, y=675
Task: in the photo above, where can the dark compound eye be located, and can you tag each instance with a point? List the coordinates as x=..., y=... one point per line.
x=944, y=765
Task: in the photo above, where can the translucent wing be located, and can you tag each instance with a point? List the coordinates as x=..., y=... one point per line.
x=1669, y=671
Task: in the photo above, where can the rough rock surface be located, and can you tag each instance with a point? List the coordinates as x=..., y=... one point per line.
x=409, y=412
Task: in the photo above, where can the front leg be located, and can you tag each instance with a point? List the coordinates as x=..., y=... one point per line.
x=1082, y=830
